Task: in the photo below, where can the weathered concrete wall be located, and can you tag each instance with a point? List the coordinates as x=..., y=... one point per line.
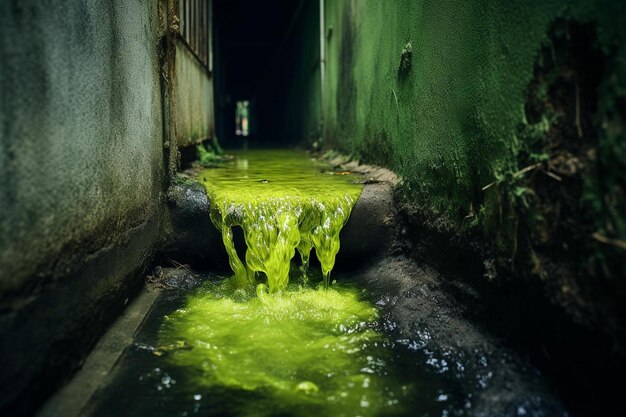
x=194, y=100
x=81, y=171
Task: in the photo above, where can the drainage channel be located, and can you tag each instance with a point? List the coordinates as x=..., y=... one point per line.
x=378, y=338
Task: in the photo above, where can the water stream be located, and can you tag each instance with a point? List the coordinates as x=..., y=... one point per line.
x=284, y=201
x=276, y=339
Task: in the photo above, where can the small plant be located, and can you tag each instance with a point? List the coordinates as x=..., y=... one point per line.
x=405, y=59
x=513, y=196
x=212, y=155
x=205, y=156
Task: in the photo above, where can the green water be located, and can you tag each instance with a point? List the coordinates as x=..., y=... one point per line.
x=305, y=350
x=301, y=349
x=220, y=351
x=284, y=201
x=290, y=346
x=305, y=347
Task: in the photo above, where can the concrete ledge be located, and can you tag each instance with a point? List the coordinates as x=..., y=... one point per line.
x=49, y=335
x=70, y=400
x=192, y=237
x=369, y=231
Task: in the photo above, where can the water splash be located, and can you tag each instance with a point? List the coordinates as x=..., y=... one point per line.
x=303, y=351
x=284, y=201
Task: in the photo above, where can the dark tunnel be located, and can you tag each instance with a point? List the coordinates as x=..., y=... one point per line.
x=254, y=51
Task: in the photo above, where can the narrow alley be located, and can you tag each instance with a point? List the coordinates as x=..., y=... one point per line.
x=312, y=207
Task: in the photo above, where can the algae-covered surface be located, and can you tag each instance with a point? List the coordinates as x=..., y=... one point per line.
x=391, y=346
x=230, y=347
x=284, y=201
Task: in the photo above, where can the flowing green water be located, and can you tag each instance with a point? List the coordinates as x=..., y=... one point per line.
x=284, y=201
x=304, y=350
x=221, y=351
x=301, y=348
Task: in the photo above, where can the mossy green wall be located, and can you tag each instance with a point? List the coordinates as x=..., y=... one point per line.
x=81, y=178
x=454, y=121
x=81, y=147
x=448, y=124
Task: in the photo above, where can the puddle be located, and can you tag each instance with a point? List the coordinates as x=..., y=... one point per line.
x=380, y=342
x=215, y=351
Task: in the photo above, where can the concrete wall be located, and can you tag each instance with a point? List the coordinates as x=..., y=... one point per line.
x=81, y=175
x=194, y=99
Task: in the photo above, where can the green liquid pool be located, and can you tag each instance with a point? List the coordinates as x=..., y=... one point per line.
x=304, y=350
x=284, y=201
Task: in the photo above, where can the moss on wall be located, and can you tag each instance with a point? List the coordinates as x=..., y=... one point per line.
x=81, y=140
x=449, y=119
x=442, y=93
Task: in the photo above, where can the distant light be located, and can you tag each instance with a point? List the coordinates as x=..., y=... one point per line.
x=242, y=118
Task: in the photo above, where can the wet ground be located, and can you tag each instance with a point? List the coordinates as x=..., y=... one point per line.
x=434, y=361
x=384, y=340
